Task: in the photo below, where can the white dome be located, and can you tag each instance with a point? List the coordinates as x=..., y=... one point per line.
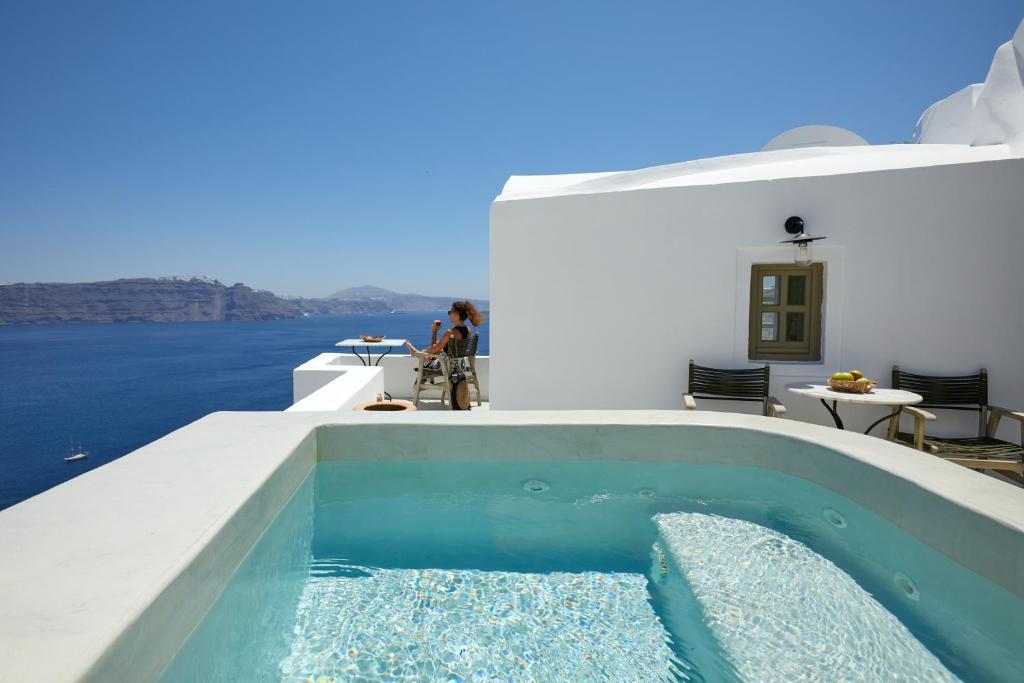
x=814, y=136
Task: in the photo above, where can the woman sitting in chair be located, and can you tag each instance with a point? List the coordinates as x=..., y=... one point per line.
x=458, y=314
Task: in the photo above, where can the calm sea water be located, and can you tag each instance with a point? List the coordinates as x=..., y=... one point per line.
x=115, y=387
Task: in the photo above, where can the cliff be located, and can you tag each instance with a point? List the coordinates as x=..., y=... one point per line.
x=181, y=299
x=173, y=299
x=396, y=301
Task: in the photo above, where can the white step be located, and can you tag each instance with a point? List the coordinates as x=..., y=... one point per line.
x=780, y=612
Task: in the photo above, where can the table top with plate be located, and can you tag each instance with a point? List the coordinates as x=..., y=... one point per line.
x=895, y=398
x=882, y=397
x=369, y=343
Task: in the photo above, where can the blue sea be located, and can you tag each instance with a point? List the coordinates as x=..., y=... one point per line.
x=112, y=388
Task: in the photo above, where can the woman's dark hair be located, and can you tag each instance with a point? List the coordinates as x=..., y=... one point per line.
x=467, y=310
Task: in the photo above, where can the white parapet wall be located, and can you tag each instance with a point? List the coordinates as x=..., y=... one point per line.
x=319, y=385
x=398, y=372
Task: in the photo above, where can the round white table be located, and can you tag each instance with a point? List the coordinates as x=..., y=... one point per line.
x=893, y=398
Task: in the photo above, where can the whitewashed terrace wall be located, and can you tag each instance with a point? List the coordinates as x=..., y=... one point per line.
x=923, y=269
x=319, y=385
x=398, y=371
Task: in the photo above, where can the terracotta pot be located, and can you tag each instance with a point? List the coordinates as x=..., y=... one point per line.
x=396, y=406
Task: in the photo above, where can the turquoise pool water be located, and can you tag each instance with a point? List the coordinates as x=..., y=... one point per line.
x=568, y=571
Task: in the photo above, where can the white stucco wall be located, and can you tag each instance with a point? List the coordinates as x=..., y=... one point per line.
x=399, y=371
x=923, y=269
x=321, y=384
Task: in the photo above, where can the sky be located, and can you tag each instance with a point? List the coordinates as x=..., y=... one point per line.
x=304, y=147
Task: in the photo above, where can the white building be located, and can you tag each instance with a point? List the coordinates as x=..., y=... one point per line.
x=606, y=284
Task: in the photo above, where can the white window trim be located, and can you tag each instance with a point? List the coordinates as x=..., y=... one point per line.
x=831, y=315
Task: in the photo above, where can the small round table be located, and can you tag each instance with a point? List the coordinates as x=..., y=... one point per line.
x=878, y=397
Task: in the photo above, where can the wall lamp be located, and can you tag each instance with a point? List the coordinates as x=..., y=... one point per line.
x=801, y=241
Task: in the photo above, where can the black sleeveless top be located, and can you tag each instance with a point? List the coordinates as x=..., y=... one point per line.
x=463, y=330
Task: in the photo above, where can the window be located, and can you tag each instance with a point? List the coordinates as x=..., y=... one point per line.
x=785, y=311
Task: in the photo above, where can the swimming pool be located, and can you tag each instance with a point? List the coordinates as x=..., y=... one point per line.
x=559, y=553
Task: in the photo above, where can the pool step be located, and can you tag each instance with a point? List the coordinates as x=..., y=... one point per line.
x=780, y=612
x=433, y=624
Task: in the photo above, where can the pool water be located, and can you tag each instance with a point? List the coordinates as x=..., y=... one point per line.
x=559, y=571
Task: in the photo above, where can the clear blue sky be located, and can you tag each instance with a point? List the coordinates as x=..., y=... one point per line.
x=307, y=146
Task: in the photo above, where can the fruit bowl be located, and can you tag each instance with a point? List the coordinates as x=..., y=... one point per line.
x=851, y=386
x=371, y=338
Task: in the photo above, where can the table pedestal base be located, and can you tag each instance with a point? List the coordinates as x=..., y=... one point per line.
x=368, y=358
x=833, y=412
x=895, y=413
x=832, y=409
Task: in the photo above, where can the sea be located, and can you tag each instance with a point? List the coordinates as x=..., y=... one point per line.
x=110, y=388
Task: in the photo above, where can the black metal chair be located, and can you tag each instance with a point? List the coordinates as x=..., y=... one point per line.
x=717, y=384
x=964, y=393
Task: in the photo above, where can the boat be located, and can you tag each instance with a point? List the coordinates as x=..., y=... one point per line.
x=76, y=454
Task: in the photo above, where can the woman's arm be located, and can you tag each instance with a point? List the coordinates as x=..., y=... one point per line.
x=433, y=348
x=440, y=345
x=434, y=327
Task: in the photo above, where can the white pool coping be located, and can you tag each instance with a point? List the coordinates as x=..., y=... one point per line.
x=102, y=577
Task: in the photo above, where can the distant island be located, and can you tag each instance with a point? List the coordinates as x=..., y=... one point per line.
x=190, y=298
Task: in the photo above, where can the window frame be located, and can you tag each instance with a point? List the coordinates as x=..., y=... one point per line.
x=808, y=350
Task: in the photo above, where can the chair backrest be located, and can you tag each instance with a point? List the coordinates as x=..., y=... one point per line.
x=956, y=392
x=736, y=385
x=461, y=348
x=474, y=341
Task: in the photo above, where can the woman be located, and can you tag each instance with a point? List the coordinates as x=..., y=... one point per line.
x=458, y=314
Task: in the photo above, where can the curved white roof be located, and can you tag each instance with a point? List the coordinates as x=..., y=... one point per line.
x=982, y=122
x=754, y=166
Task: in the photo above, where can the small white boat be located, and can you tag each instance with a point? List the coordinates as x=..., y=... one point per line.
x=76, y=454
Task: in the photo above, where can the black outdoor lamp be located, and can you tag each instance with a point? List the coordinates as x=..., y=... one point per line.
x=801, y=241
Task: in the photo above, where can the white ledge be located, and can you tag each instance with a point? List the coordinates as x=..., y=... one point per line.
x=345, y=389
x=102, y=577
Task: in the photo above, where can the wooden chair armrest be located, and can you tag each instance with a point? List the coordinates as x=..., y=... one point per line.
x=689, y=402
x=1017, y=415
x=421, y=361
x=775, y=407
x=995, y=413
x=919, y=414
x=920, y=417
